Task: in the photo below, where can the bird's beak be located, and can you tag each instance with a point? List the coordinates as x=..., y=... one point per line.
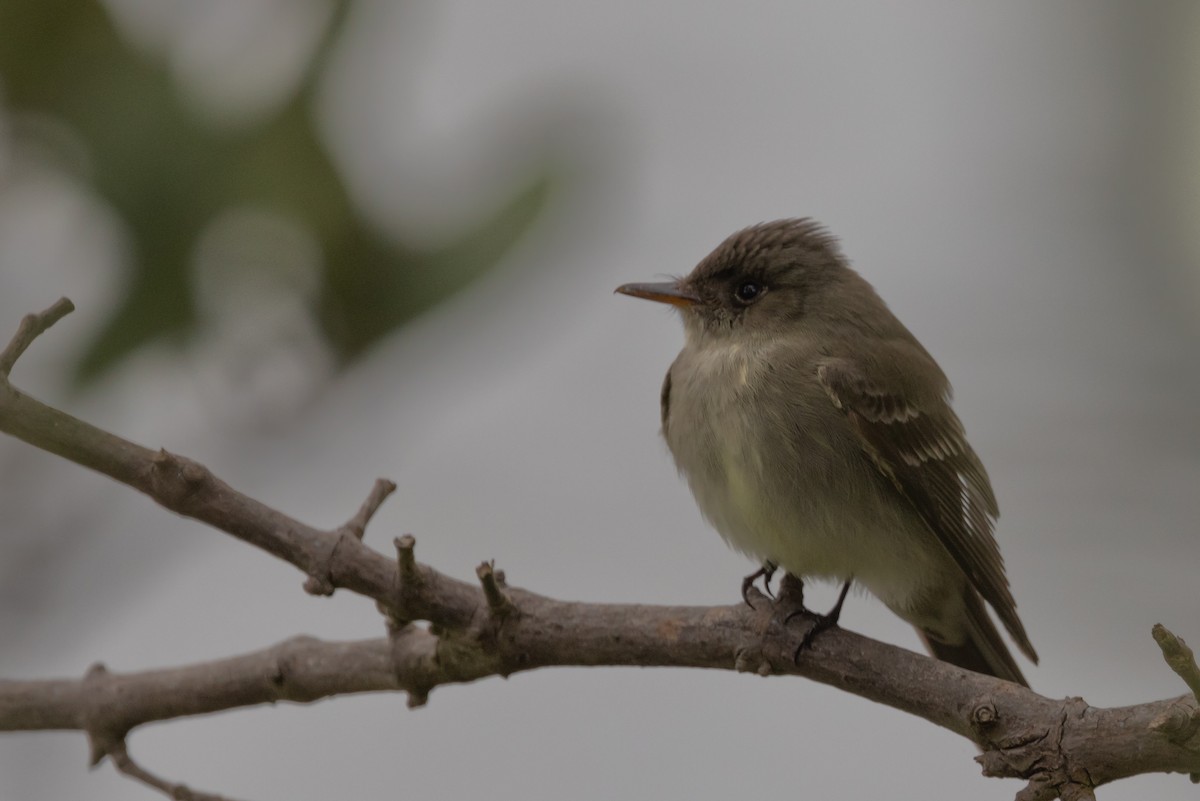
x=668, y=292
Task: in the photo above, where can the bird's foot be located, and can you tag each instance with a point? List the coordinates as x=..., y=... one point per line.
x=765, y=573
x=820, y=622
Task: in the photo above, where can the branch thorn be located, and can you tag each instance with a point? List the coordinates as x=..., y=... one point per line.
x=319, y=585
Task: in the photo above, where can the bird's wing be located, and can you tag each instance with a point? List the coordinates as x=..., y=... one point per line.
x=915, y=439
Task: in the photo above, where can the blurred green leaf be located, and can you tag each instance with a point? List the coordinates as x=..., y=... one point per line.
x=168, y=175
x=374, y=296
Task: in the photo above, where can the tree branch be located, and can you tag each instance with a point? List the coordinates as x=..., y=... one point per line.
x=109, y=705
x=1063, y=748
x=178, y=792
x=1179, y=658
x=32, y=327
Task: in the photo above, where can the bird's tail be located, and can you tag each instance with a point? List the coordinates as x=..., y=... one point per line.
x=981, y=650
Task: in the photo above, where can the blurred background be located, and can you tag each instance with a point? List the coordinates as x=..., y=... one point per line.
x=316, y=242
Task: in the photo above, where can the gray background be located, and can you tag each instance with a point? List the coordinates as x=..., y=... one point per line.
x=1018, y=180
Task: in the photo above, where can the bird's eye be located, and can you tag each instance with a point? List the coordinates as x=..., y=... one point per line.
x=748, y=291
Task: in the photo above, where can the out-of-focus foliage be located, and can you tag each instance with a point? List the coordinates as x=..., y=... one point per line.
x=168, y=174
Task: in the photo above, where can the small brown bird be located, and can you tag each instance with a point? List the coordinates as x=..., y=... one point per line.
x=816, y=434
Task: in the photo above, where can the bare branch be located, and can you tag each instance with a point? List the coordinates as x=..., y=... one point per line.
x=1063, y=748
x=1179, y=658
x=109, y=705
x=119, y=754
x=498, y=603
x=357, y=525
x=32, y=326
x=320, y=577
x=406, y=559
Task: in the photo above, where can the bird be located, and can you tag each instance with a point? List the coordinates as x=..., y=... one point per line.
x=816, y=435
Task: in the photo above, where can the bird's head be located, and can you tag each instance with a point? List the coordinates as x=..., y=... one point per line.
x=758, y=282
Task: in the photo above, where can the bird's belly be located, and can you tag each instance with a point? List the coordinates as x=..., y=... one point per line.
x=819, y=532
x=789, y=491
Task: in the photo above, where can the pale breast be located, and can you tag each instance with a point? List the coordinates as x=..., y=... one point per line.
x=775, y=468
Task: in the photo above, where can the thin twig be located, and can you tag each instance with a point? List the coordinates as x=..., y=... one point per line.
x=498, y=603
x=32, y=326
x=357, y=525
x=406, y=560
x=297, y=670
x=1179, y=657
x=119, y=754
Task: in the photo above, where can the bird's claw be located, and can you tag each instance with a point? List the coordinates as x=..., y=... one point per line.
x=765, y=573
x=821, y=623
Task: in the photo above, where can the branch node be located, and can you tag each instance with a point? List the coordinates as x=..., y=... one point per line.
x=177, y=478
x=1074, y=791
x=1179, y=657
x=320, y=570
x=1038, y=789
x=498, y=603
x=394, y=623
x=985, y=714
x=750, y=659
x=100, y=742
x=193, y=473
x=743, y=661
x=1179, y=722
x=32, y=326
x=319, y=585
x=415, y=662
x=404, y=585
x=406, y=560
x=357, y=525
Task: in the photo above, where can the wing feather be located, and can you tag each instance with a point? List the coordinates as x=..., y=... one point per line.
x=919, y=444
